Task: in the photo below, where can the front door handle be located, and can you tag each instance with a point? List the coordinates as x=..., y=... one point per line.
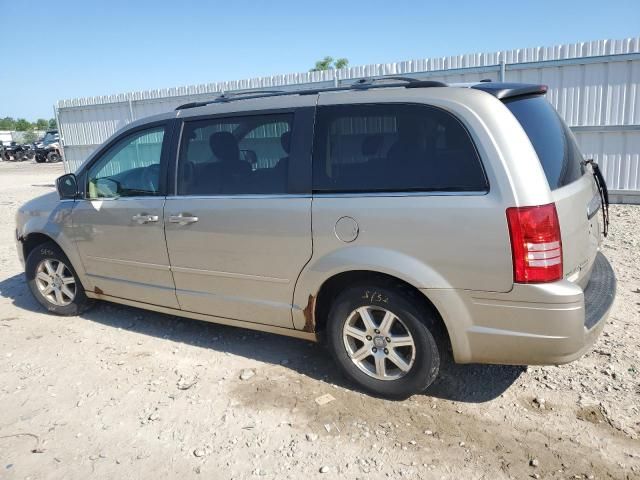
x=143, y=218
x=183, y=219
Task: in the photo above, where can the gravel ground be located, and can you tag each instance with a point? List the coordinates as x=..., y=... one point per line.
x=124, y=393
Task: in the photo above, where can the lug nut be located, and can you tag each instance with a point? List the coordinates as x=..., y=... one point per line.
x=369, y=337
x=377, y=331
x=386, y=351
x=388, y=340
x=374, y=349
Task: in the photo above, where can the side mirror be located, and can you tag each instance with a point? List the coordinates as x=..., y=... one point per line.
x=67, y=186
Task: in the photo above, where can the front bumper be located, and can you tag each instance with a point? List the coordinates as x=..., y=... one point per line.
x=541, y=324
x=20, y=249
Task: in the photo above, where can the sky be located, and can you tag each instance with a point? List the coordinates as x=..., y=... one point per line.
x=77, y=48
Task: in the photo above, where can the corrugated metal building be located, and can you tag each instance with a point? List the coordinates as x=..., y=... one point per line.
x=594, y=85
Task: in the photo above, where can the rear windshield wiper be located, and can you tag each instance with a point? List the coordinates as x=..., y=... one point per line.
x=603, y=191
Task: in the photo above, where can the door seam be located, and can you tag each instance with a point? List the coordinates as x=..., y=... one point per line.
x=166, y=246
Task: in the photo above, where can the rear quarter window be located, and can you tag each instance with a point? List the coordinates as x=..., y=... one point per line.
x=552, y=140
x=393, y=148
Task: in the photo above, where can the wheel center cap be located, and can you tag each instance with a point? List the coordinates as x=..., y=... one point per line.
x=379, y=341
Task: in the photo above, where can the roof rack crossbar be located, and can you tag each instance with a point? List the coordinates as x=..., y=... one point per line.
x=361, y=84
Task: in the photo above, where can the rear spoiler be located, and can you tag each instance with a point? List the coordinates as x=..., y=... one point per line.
x=503, y=91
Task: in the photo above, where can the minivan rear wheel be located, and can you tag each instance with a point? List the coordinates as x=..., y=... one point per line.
x=383, y=340
x=53, y=281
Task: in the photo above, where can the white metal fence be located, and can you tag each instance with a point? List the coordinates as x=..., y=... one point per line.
x=594, y=85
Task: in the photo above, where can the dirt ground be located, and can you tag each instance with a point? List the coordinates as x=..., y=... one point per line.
x=124, y=393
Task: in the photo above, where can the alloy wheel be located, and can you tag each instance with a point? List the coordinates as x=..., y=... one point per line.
x=379, y=343
x=55, y=282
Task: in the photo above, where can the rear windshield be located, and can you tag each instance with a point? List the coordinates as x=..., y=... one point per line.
x=554, y=143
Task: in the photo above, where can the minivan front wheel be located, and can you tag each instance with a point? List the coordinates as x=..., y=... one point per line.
x=383, y=340
x=53, y=281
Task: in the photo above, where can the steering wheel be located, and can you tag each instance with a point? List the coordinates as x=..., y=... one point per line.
x=151, y=177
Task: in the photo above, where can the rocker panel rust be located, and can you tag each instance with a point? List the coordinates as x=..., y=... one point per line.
x=309, y=315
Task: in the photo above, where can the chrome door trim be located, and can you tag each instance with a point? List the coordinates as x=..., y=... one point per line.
x=243, y=276
x=152, y=266
x=240, y=196
x=131, y=282
x=129, y=199
x=400, y=194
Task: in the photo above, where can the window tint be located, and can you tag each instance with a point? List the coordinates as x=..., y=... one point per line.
x=239, y=155
x=391, y=147
x=129, y=168
x=552, y=140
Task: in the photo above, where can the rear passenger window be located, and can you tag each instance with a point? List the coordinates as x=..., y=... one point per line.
x=237, y=155
x=391, y=147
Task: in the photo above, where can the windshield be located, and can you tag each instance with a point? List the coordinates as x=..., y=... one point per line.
x=552, y=140
x=50, y=138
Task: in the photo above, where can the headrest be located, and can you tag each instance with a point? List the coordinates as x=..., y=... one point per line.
x=224, y=146
x=285, y=141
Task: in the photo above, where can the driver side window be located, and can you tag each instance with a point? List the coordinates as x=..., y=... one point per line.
x=130, y=168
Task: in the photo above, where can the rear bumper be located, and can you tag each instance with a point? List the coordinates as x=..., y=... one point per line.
x=532, y=324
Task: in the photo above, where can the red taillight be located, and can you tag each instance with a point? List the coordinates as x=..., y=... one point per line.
x=536, y=245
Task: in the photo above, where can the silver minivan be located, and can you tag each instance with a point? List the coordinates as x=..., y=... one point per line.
x=398, y=219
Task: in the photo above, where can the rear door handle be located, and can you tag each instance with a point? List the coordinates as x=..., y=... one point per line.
x=183, y=219
x=143, y=218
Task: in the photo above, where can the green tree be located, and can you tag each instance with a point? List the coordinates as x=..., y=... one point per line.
x=328, y=63
x=324, y=64
x=42, y=124
x=7, y=123
x=341, y=63
x=29, y=136
x=23, y=125
x=52, y=123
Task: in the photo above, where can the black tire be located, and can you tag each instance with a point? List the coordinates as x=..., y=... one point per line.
x=416, y=319
x=40, y=158
x=51, y=251
x=53, y=157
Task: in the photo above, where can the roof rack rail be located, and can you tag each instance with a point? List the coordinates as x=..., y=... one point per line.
x=191, y=105
x=225, y=97
x=411, y=82
x=361, y=84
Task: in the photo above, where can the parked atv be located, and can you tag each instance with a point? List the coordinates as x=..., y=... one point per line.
x=13, y=152
x=49, y=149
x=29, y=151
